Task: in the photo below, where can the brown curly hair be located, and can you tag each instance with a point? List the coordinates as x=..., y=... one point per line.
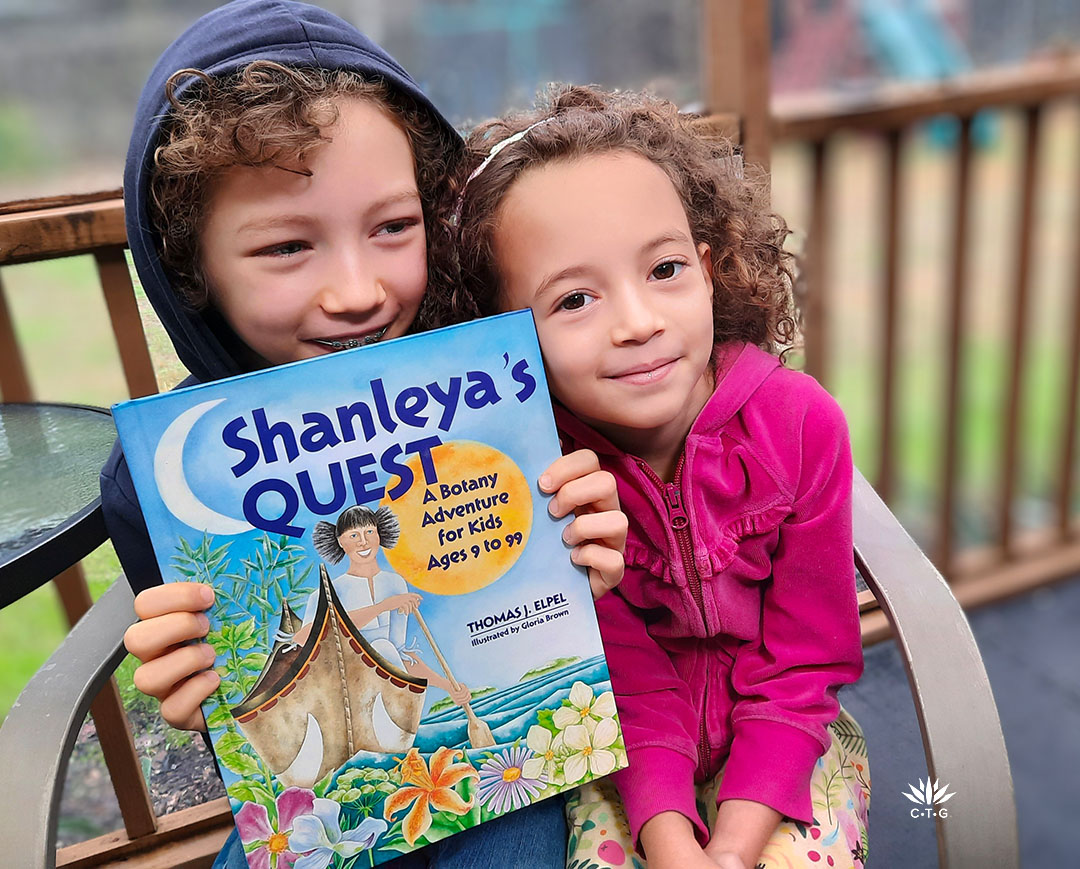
x=752, y=273
x=267, y=114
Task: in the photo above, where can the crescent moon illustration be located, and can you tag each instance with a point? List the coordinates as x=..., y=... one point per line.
x=173, y=485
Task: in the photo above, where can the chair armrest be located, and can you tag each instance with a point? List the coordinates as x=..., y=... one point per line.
x=40, y=730
x=960, y=727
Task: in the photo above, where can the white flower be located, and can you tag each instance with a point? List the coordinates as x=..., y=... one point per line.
x=547, y=748
x=582, y=706
x=589, y=749
x=319, y=838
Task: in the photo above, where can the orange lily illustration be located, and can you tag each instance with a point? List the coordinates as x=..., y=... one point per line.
x=431, y=789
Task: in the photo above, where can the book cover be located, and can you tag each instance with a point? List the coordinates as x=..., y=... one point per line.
x=405, y=648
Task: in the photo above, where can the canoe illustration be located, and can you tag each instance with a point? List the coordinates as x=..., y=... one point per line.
x=314, y=706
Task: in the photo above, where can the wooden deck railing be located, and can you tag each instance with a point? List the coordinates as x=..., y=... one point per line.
x=1013, y=561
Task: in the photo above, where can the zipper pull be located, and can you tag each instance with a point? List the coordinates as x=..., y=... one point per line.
x=673, y=498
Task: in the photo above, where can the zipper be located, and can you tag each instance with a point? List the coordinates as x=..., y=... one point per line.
x=680, y=524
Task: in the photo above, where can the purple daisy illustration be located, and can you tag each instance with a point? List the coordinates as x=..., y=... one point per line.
x=503, y=785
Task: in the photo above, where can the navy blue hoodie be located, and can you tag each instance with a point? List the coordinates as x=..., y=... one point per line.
x=219, y=43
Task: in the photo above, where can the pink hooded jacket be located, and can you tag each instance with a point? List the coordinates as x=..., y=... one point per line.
x=736, y=621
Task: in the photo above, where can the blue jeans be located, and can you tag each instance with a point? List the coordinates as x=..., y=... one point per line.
x=532, y=838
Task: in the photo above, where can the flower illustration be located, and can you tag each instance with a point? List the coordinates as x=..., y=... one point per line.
x=547, y=748
x=270, y=844
x=582, y=707
x=319, y=838
x=589, y=744
x=363, y=788
x=429, y=789
x=503, y=783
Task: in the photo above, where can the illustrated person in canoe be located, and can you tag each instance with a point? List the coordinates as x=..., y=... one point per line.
x=377, y=600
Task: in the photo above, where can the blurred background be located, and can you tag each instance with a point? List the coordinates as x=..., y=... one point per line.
x=942, y=283
x=70, y=72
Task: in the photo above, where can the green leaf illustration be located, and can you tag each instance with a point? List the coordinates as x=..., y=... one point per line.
x=849, y=735
x=220, y=717
x=240, y=763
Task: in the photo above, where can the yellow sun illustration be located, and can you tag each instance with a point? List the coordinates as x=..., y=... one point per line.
x=465, y=531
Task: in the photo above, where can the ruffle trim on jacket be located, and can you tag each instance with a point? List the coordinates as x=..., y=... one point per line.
x=748, y=525
x=647, y=558
x=717, y=560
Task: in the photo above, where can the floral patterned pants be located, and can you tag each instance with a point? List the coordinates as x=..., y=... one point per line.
x=839, y=786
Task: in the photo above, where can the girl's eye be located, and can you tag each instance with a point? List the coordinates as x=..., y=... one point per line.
x=285, y=249
x=395, y=227
x=665, y=271
x=573, y=301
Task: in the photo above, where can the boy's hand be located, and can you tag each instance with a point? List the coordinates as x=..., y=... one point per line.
x=598, y=534
x=174, y=672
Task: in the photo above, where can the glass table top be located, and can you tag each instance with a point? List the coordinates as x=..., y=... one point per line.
x=50, y=456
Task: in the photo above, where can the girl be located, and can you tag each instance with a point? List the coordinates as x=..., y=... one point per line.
x=282, y=195
x=656, y=276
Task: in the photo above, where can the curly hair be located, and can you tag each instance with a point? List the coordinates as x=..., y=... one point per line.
x=267, y=114
x=325, y=534
x=752, y=272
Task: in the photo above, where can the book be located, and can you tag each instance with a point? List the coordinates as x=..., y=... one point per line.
x=405, y=648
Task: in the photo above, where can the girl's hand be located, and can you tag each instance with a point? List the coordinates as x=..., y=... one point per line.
x=177, y=673
x=693, y=860
x=727, y=860
x=741, y=830
x=598, y=534
x=669, y=843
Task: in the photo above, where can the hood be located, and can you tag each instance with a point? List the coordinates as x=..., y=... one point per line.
x=740, y=369
x=219, y=43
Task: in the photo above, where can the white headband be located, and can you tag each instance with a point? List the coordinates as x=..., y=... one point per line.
x=496, y=149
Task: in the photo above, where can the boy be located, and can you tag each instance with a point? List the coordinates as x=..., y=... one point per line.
x=285, y=191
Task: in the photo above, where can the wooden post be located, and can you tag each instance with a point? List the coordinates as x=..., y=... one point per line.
x=74, y=594
x=735, y=57
x=1071, y=403
x=118, y=747
x=1022, y=282
x=815, y=305
x=14, y=384
x=890, y=326
x=125, y=321
x=954, y=393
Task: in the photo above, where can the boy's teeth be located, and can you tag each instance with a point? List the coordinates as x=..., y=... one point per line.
x=351, y=343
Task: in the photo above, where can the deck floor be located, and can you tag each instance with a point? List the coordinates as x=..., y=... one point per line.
x=1031, y=648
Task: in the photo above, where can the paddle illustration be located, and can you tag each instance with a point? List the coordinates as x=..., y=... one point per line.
x=480, y=735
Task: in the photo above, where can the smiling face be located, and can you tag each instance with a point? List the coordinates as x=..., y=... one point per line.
x=601, y=250
x=361, y=547
x=338, y=256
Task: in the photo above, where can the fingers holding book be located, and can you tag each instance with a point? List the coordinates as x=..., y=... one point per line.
x=174, y=670
x=598, y=531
